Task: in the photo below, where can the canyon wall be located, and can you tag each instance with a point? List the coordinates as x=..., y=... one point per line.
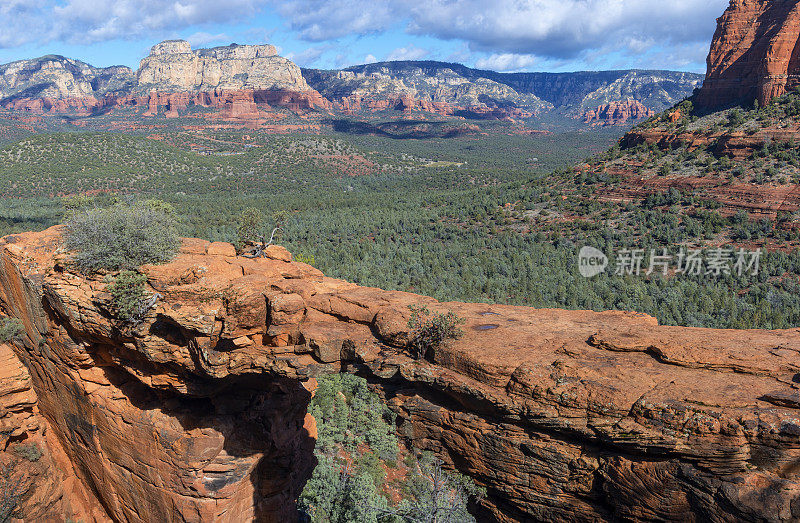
x=754, y=54
x=199, y=413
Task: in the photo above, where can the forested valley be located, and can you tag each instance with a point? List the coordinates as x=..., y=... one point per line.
x=496, y=218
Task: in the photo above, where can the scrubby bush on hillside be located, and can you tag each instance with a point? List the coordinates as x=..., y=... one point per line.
x=28, y=451
x=11, y=490
x=128, y=296
x=434, y=494
x=430, y=330
x=250, y=229
x=10, y=328
x=122, y=236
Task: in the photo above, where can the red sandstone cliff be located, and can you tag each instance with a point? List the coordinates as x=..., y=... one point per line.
x=199, y=413
x=754, y=55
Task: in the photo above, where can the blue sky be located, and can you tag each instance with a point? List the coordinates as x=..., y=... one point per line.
x=507, y=35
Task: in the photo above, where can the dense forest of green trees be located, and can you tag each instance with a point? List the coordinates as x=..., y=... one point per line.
x=471, y=219
x=356, y=448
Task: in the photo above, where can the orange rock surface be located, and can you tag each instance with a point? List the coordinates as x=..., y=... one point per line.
x=199, y=413
x=754, y=54
x=616, y=113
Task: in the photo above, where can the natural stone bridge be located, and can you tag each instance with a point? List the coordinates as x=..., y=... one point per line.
x=199, y=414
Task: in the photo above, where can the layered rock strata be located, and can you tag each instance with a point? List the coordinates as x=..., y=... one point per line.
x=618, y=113
x=199, y=412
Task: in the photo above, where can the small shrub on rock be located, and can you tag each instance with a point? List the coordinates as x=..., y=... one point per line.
x=123, y=236
x=30, y=452
x=251, y=228
x=430, y=330
x=10, y=329
x=130, y=301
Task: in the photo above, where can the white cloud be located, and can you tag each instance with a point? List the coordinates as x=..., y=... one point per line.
x=550, y=30
x=409, y=52
x=564, y=28
x=370, y=59
x=505, y=62
x=202, y=38
x=90, y=21
x=318, y=20
x=308, y=56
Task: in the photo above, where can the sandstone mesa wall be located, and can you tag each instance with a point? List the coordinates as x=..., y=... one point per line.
x=199, y=414
x=754, y=54
x=173, y=66
x=617, y=113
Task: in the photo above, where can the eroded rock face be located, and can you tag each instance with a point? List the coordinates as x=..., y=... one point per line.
x=618, y=113
x=754, y=54
x=41, y=84
x=173, y=66
x=237, y=79
x=448, y=88
x=34, y=470
x=199, y=413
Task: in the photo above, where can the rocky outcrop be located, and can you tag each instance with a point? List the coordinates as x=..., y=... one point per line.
x=34, y=472
x=56, y=83
x=199, y=412
x=754, y=54
x=618, y=113
x=237, y=79
x=421, y=86
x=173, y=67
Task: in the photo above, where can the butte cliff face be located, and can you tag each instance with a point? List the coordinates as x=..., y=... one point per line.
x=198, y=414
x=173, y=66
x=235, y=79
x=755, y=54
x=56, y=83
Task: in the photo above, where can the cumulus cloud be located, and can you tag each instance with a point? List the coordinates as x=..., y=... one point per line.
x=502, y=31
x=90, y=21
x=308, y=56
x=552, y=29
x=202, y=38
x=505, y=62
x=318, y=20
x=409, y=52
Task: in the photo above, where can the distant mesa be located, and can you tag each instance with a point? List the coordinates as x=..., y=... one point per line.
x=755, y=54
x=173, y=66
x=246, y=82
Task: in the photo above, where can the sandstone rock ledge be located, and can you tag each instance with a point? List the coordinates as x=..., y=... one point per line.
x=200, y=413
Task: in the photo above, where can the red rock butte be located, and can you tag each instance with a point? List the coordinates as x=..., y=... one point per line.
x=755, y=54
x=199, y=413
